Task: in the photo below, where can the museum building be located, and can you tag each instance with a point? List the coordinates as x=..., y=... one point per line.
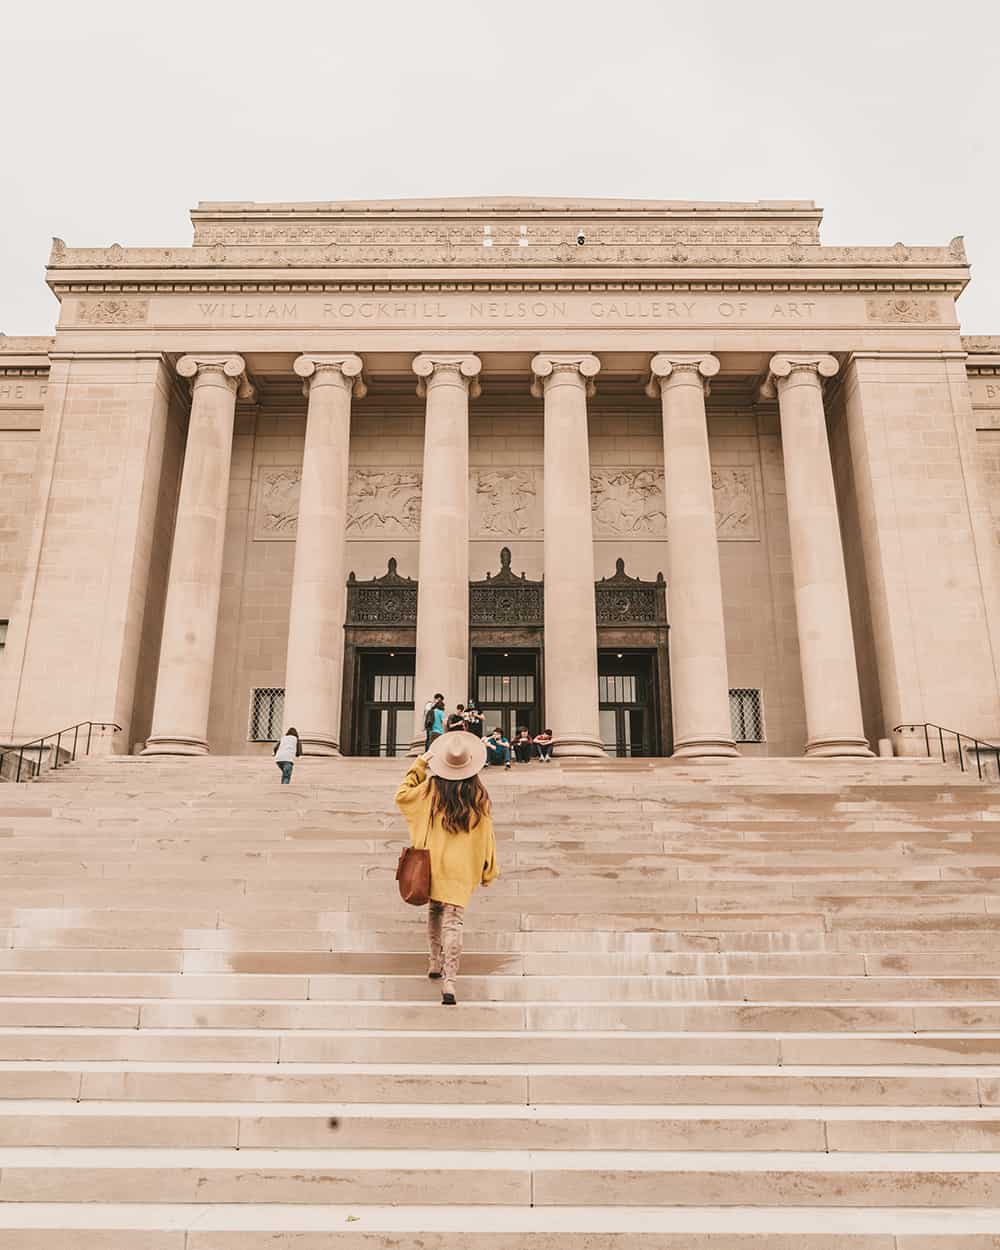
x=666, y=477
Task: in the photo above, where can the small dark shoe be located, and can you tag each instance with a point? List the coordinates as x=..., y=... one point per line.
x=435, y=976
x=448, y=1000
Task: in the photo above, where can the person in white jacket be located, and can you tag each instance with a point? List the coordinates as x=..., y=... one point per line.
x=287, y=751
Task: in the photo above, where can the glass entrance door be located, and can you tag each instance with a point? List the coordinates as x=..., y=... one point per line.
x=507, y=689
x=386, y=715
x=625, y=696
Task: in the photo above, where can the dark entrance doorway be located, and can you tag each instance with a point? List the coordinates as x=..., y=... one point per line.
x=627, y=699
x=506, y=686
x=386, y=722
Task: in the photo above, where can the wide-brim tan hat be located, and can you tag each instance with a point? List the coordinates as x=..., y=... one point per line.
x=456, y=755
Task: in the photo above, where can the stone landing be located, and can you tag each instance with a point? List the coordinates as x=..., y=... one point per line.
x=743, y=1004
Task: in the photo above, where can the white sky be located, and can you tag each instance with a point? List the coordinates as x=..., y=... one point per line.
x=118, y=117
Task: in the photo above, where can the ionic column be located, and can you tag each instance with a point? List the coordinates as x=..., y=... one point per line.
x=826, y=640
x=570, y=614
x=315, y=664
x=442, y=664
x=187, y=649
x=699, y=676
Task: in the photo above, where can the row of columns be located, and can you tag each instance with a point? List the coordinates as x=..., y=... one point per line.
x=698, y=667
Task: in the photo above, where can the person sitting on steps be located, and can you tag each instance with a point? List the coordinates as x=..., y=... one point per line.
x=498, y=748
x=524, y=747
x=447, y=810
x=543, y=744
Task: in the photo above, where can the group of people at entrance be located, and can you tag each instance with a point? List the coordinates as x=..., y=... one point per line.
x=501, y=751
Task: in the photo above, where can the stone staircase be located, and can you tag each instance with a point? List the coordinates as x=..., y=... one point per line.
x=747, y=1004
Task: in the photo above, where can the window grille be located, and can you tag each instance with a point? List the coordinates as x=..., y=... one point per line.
x=267, y=706
x=3, y=635
x=618, y=688
x=516, y=688
x=393, y=688
x=746, y=714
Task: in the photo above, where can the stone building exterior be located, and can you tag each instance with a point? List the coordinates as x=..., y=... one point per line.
x=664, y=476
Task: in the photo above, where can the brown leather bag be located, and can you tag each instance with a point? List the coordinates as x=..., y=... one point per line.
x=413, y=872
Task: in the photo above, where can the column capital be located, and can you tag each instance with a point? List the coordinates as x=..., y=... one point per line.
x=690, y=368
x=456, y=369
x=575, y=367
x=229, y=371
x=345, y=369
x=811, y=367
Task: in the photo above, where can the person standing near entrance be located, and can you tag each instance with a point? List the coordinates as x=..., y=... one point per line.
x=433, y=720
x=456, y=720
x=287, y=751
x=474, y=720
x=447, y=810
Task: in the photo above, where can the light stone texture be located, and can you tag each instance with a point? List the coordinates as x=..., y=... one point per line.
x=93, y=432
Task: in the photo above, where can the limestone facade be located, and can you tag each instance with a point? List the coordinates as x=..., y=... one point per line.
x=216, y=438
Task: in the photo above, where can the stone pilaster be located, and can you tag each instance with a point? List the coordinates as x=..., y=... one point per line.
x=184, y=679
x=699, y=676
x=571, y=705
x=446, y=381
x=315, y=664
x=834, y=723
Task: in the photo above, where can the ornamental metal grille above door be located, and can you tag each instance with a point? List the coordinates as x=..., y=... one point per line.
x=505, y=599
x=387, y=600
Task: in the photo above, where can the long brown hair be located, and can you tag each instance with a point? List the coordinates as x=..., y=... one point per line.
x=461, y=804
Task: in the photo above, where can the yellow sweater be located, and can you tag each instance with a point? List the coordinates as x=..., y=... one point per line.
x=459, y=861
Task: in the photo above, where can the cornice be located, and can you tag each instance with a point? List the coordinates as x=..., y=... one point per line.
x=87, y=283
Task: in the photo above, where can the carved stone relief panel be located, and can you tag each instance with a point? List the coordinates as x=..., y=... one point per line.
x=734, y=491
x=383, y=503
x=629, y=503
x=112, y=312
x=505, y=503
x=902, y=309
x=276, y=506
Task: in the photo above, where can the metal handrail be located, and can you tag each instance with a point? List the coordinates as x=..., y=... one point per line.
x=39, y=743
x=940, y=731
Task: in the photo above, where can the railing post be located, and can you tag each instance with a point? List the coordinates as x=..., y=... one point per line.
x=927, y=741
x=979, y=765
x=90, y=730
x=41, y=748
x=76, y=734
x=941, y=739
x=55, y=761
x=20, y=761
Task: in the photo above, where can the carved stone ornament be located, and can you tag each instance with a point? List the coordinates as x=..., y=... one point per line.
x=902, y=310
x=384, y=503
x=628, y=503
x=505, y=503
x=276, y=509
x=506, y=599
x=387, y=600
x=463, y=367
x=112, y=312
x=584, y=367
x=624, y=600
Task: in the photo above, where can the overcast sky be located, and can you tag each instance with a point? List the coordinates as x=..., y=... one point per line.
x=118, y=117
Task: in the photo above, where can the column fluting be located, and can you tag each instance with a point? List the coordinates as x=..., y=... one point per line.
x=442, y=662
x=699, y=673
x=315, y=664
x=834, y=723
x=191, y=614
x=571, y=702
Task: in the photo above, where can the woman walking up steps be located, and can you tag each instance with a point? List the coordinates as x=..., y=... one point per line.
x=447, y=809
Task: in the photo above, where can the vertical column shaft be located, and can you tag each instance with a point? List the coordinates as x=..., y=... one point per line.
x=315, y=663
x=699, y=674
x=443, y=593
x=570, y=613
x=826, y=640
x=187, y=651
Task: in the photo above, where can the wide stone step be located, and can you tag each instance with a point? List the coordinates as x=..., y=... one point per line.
x=500, y=1177
x=461, y=1126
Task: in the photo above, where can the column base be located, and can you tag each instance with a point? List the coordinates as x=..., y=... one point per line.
x=579, y=746
x=833, y=748
x=175, y=744
x=702, y=748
